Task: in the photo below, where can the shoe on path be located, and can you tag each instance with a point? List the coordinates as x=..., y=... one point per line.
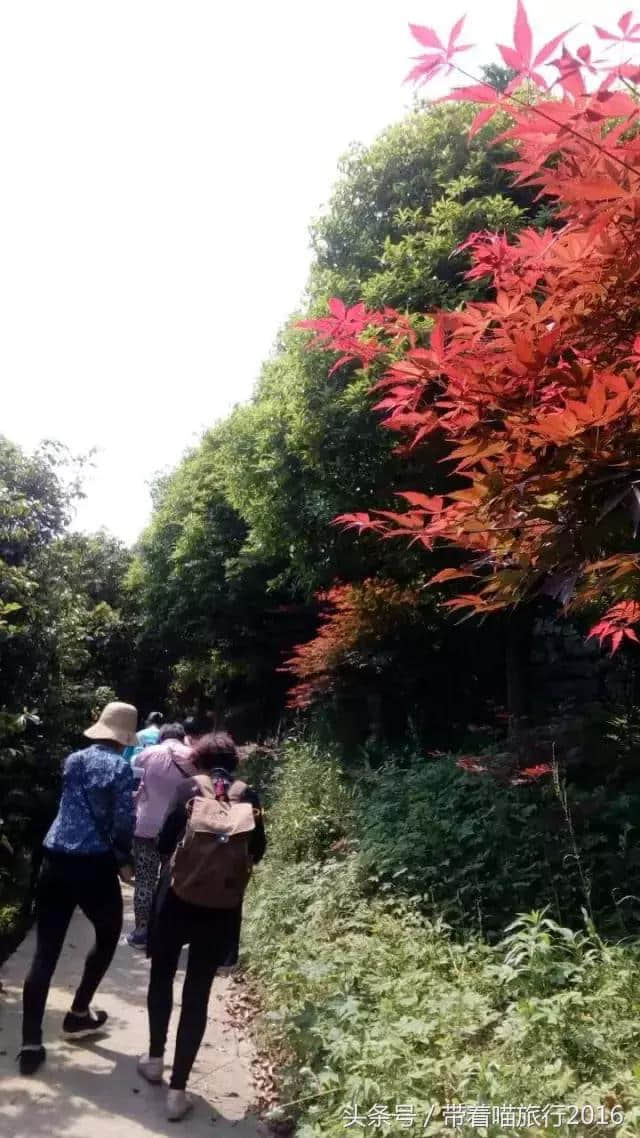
x=137, y=939
x=178, y=1104
x=150, y=1069
x=30, y=1059
x=80, y=1026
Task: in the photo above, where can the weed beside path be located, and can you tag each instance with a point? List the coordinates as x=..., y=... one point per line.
x=375, y=1007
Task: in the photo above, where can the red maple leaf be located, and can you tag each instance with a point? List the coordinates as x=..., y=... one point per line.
x=629, y=32
x=536, y=771
x=440, y=59
x=616, y=624
x=534, y=393
x=521, y=58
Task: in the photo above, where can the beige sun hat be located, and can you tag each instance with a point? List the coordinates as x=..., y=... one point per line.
x=118, y=721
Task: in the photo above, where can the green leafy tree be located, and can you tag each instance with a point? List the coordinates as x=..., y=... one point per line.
x=403, y=205
x=65, y=642
x=241, y=538
x=307, y=444
x=211, y=628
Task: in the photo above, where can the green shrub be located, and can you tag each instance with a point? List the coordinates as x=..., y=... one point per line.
x=369, y=1000
x=373, y=1003
x=314, y=804
x=9, y=917
x=480, y=851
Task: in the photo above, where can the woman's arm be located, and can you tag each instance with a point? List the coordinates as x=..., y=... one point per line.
x=172, y=830
x=139, y=770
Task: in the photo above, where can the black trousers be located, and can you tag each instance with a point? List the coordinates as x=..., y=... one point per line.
x=65, y=882
x=209, y=934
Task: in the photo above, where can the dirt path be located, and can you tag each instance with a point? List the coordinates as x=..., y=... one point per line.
x=91, y=1090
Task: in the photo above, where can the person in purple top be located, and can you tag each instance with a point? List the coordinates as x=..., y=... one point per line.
x=161, y=769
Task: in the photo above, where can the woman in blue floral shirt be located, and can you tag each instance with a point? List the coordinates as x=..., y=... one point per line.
x=86, y=849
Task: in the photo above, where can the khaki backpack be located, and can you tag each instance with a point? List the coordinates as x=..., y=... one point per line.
x=211, y=866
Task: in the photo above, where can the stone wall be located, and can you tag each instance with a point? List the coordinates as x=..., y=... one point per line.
x=570, y=674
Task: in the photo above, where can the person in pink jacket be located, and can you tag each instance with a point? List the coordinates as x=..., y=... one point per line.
x=162, y=768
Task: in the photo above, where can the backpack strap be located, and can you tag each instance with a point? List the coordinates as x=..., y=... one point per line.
x=236, y=790
x=205, y=784
x=236, y=793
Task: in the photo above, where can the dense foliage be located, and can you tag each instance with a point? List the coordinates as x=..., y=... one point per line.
x=535, y=390
x=358, y=618
x=375, y=1007
x=429, y=926
x=224, y=583
x=65, y=646
x=241, y=541
x=211, y=634
x=371, y=998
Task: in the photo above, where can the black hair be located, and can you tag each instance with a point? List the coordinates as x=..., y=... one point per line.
x=171, y=731
x=195, y=726
x=154, y=719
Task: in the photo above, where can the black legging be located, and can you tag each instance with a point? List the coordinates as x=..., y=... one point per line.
x=195, y=1000
x=66, y=881
x=211, y=936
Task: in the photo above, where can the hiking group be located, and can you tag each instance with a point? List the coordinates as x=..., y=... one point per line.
x=161, y=807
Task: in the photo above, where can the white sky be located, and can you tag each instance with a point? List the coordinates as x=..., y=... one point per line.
x=161, y=163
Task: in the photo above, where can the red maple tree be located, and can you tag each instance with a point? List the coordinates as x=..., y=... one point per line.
x=536, y=391
x=354, y=619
